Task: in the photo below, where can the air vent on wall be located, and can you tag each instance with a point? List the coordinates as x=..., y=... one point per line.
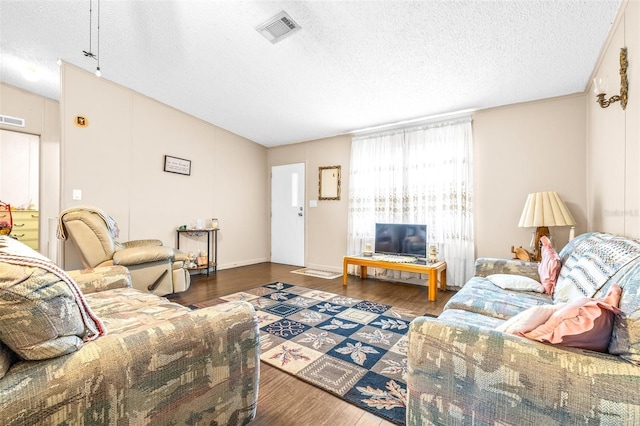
x=11, y=121
x=279, y=27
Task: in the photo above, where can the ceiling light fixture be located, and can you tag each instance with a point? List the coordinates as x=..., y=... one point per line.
x=600, y=85
x=89, y=53
x=31, y=73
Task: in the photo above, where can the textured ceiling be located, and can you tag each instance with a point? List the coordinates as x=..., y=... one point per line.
x=354, y=64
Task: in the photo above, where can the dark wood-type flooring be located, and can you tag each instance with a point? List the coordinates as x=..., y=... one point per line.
x=284, y=400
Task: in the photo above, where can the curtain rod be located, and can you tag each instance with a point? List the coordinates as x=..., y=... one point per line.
x=414, y=121
x=412, y=124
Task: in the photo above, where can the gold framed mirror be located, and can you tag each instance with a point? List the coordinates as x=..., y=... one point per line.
x=329, y=184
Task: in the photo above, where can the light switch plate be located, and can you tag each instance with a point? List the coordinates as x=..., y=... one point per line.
x=77, y=194
x=313, y=203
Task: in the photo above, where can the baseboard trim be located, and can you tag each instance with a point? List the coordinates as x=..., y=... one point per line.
x=323, y=267
x=242, y=263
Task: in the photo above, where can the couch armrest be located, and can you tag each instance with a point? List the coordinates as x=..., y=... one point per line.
x=485, y=266
x=201, y=365
x=101, y=278
x=459, y=374
x=141, y=243
x=144, y=254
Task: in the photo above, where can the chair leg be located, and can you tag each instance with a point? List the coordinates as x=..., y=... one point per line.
x=155, y=284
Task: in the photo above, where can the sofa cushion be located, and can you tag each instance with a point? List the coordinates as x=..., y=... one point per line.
x=101, y=278
x=43, y=314
x=482, y=296
x=549, y=267
x=516, y=283
x=457, y=316
x=528, y=320
x=625, y=338
x=127, y=309
x=7, y=358
x=585, y=323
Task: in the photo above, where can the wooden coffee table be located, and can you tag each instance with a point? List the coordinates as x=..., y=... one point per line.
x=432, y=269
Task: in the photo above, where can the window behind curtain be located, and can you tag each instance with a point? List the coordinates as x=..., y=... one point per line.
x=417, y=175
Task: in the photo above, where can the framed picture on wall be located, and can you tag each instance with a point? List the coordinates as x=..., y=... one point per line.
x=177, y=165
x=329, y=184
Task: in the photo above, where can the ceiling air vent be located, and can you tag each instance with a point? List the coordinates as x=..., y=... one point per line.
x=279, y=27
x=11, y=121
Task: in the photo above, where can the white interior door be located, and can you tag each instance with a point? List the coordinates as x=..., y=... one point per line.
x=287, y=214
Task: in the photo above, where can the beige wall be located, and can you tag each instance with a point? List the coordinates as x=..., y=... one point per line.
x=613, y=135
x=117, y=163
x=326, y=224
x=524, y=148
x=42, y=118
x=536, y=146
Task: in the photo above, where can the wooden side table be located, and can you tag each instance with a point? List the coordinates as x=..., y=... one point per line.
x=434, y=271
x=199, y=232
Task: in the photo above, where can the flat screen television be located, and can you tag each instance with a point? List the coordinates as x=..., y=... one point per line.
x=400, y=238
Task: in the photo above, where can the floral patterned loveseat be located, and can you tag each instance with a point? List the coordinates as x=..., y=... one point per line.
x=462, y=370
x=85, y=348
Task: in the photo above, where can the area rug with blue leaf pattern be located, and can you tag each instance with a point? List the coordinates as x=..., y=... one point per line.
x=353, y=348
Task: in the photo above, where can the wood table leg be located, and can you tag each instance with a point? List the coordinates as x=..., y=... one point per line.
x=345, y=278
x=433, y=284
x=363, y=272
x=443, y=279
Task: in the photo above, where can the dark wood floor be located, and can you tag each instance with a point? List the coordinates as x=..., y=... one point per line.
x=283, y=399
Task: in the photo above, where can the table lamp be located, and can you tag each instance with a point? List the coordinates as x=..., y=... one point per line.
x=542, y=210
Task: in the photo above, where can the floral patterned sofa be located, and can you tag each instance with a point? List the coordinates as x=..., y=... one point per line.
x=466, y=367
x=85, y=348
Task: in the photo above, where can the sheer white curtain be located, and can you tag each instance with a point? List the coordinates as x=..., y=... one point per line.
x=416, y=175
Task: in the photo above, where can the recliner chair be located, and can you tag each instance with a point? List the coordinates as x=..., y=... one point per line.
x=154, y=268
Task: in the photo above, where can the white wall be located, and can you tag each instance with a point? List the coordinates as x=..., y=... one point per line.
x=42, y=118
x=19, y=169
x=613, y=135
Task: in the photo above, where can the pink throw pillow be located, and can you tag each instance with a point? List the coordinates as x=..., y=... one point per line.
x=585, y=323
x=549, y=267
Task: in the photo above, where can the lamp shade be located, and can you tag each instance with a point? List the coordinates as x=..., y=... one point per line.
x=545, y=209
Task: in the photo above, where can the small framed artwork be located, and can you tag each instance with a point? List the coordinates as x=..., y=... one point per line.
x=177, y=165
x=81, y=121
x=329, y=184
